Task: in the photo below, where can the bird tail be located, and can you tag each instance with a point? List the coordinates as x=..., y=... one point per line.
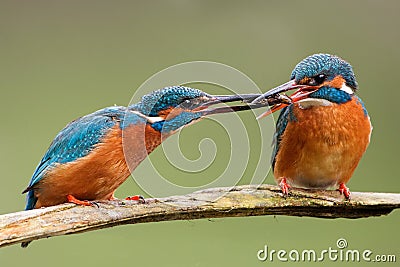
x=30, y=200
x=30, y=204
x=25, y=244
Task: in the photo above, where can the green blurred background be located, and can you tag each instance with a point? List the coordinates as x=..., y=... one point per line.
x=63, y=59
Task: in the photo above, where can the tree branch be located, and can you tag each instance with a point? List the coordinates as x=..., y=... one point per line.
x=238, y=201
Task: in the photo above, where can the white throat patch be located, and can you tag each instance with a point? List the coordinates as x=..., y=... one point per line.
x=149, y=119
x=311, y=102
x=346, y=89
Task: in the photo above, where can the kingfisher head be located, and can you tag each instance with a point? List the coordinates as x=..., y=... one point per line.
x=320, y=76
x=171, y=108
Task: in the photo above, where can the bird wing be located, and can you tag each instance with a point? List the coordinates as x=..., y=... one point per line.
x=283, y=119
x=76, y=140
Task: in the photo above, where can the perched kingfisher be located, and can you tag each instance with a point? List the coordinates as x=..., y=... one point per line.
x=87, y=160
x=321, y=136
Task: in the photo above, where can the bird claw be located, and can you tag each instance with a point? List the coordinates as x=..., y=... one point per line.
x=344, y=190
x=284, y=187
x=138, y=198
x=94, y=203
x=72, y=199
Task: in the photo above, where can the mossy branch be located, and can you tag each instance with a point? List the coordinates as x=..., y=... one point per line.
x=238, y=201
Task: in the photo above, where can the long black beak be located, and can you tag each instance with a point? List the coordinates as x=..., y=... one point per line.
x=273, y=93
x=244, y=98
x=216, y=99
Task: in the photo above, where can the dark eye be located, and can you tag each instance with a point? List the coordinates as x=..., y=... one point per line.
x=317, y=80
x=186, y=103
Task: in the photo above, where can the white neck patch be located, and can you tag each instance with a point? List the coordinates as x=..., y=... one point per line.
x=149, y=119
x=346, y=89
x=311, y=102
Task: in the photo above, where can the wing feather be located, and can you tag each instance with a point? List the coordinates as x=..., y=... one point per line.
x=285, y=116
x=75, y=141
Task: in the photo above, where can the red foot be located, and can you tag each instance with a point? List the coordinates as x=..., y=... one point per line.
x=138, y=198
x=72, y=199
x=344, y=190
x=284, y=186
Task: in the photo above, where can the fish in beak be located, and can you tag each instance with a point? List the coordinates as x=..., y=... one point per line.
x=302, y=92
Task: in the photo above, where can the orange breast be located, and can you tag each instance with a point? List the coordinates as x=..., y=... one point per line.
x=324, y=145
x=97, y=175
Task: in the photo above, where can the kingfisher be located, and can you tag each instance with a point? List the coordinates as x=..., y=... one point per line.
x=323, y=133
x=93, y=155
x=86, y=160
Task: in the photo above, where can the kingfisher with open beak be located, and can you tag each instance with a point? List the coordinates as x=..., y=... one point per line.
x=322, y=134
